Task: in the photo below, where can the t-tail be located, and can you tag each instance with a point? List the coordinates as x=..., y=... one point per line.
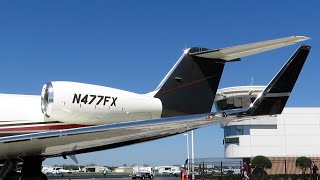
x=191, y=85
x=273, y=99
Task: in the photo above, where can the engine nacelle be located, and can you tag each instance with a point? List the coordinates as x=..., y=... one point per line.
x=79, y=103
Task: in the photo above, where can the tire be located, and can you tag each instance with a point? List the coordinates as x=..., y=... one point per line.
x=44, y=177
x=14, y=176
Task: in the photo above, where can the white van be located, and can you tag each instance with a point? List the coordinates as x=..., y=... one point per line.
x=143, y=172
x=171, y=170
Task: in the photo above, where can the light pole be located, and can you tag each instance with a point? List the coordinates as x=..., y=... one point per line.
x=188, y=151
x=192, y=155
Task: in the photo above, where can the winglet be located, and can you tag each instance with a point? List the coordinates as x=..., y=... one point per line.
x=273, y=99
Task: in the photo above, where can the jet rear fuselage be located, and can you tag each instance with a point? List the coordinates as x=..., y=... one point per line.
x=87, y=104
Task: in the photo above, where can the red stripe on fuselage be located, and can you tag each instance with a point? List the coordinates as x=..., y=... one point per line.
x=43, y=128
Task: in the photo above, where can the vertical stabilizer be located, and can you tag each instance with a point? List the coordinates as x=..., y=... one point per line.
x=190, y=86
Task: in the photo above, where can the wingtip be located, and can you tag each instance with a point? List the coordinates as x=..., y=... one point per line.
x=301, y=38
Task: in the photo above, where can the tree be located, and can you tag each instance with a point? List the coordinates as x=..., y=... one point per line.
x=303, y=163
x=260, y=163
x=70, y=167
x=91, y=164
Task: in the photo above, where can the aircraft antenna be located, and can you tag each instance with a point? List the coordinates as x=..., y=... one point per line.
x=252, y=81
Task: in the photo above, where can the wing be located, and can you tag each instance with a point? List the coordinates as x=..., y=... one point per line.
x=94, y=138
x=236, y=52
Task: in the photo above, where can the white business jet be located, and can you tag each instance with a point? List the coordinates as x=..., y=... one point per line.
x=72, y=118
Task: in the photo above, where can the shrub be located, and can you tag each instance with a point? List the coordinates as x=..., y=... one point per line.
x=260, y=163
x=303, y=163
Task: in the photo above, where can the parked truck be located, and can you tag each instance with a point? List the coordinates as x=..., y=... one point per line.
x=140, y=172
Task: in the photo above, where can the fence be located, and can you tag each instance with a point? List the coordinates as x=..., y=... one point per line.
x=217, y=169
x=224, y=169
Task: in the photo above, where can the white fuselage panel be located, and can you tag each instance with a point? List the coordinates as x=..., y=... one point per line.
x=20, y=109
x=78, y=103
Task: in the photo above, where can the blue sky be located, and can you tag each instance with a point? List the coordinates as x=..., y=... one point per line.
x=131, y=45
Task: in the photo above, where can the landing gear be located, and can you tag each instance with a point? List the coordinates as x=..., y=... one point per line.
x=14, y=176
x=31, y=169
x=9, y=170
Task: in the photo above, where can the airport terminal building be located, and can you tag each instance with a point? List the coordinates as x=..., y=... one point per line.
x=281, y=138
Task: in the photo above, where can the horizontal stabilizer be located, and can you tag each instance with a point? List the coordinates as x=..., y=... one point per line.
x=236, y=52
x=273, y=99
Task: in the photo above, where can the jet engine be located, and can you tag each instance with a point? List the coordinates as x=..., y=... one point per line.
x=79, y=103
